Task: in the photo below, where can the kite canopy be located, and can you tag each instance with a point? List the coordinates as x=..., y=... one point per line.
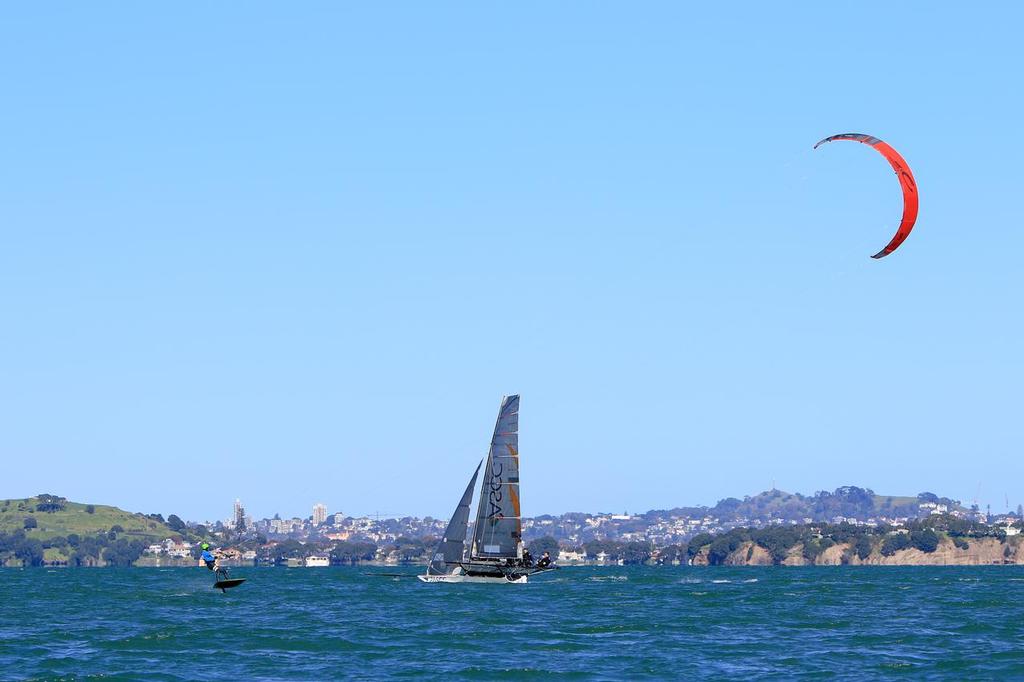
x=906, y=182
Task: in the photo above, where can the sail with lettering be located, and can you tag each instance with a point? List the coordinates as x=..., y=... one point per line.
x=497, y=533
x=449, y=551
x=496, y=554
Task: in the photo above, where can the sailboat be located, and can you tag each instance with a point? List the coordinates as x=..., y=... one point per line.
x=496, y=549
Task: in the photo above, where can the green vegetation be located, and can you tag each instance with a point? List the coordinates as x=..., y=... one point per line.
x=353, y=552
x=824, y=506
x=544, y=544
x=925, y=535
x=55, y=516
x=894, y=543
x=48, y=527
x=696, y=542
x=409, y=549
x=926, y=540
x=671, y=554
x=862, y=546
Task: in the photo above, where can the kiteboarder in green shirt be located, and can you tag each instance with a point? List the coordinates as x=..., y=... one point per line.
x=212, y=561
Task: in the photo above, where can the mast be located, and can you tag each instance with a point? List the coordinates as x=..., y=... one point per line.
x=497, y=533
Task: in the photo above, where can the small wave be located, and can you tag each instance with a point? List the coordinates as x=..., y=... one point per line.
x=690, y=581
x=750, y=580
x=719, y=582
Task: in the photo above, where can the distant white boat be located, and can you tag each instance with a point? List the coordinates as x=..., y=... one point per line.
x=316, y=561
x=496, y=552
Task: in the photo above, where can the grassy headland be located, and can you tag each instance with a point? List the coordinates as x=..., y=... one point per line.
x=51, y=528
x=55, y=516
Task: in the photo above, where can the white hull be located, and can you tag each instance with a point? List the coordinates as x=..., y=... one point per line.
x=471, y=579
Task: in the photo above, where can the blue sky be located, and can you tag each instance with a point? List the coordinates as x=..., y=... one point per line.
x=298, y=254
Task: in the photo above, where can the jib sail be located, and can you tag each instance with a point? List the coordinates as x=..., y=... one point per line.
x=449, y=551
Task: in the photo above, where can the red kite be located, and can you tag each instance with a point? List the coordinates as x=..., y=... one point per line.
x=906, y=181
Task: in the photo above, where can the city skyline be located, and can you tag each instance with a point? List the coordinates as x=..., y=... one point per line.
x=1007, y=507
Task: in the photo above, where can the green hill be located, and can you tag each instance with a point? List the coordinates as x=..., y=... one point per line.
x=55, y=516
x=847, y=501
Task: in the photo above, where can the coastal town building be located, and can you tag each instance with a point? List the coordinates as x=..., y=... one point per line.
x=319, y=513
x=237, y=515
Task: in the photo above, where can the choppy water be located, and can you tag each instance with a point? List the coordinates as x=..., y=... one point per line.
x=614, y=623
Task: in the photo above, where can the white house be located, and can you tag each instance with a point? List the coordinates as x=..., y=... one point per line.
x=179, y=550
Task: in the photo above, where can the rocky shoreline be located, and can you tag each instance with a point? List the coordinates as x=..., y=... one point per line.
x=980, y=552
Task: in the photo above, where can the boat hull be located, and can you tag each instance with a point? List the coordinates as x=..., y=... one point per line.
x=451, y=578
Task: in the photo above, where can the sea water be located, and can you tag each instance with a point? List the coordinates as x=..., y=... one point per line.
x=587, y=623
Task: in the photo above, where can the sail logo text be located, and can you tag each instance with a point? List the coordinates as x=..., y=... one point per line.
x=494, y=497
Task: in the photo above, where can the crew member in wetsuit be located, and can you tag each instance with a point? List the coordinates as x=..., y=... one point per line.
x=544, y=561
x=212, y=561
x=527, y=558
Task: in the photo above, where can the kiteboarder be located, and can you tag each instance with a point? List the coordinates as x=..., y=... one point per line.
x=212, y=562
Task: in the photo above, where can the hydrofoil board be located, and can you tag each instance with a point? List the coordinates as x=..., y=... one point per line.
x=225, y=584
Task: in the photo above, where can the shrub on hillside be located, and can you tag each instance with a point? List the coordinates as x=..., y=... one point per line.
x=925, y=540
x=123, y=552
x=778, y=540
x=863, y=547
x=696, y=543
x=30, y=552
x=544, y=544
x=724, y=545
x=894, y=543
x=55, y=541
x=50, y=503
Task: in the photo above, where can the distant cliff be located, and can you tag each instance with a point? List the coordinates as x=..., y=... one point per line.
x=984, y=551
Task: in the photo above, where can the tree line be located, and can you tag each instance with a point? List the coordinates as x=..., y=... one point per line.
x=85, y=550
